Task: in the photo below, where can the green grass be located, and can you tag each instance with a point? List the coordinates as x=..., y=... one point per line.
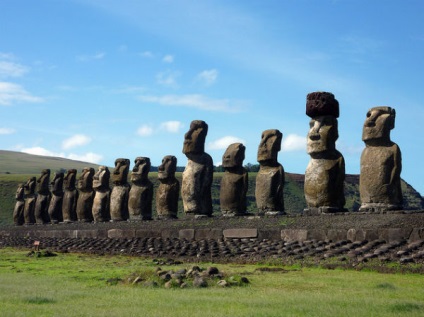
x=77, y=285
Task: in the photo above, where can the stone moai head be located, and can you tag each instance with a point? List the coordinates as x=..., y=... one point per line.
x=269, y=147
x=19, y=195
x=101, y=178
x=168, y=167
x=377, y=126
x=233, y=156
x=120, y=173
x=140, y=170
x=43, y=181
x=323, y=133
x=29, y=186
x=194, y=139
x=57, y=182
x=85, y=181
x=69, y=179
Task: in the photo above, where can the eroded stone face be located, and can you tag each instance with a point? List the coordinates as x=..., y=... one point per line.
x=85, y=195
x=100, y=210
x=381, y=163
x=43, y=182
x=85, y=181
x=141, y=192
x=269, y=147
x=322, y=135
x=55, y=206
x=168, y=191
x=120, y=173
x=194, y=139
x=140, y=170
x=168, y=167
x=234, y=156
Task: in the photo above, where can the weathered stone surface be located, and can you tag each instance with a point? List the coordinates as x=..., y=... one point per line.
x=141, y=192
x=240, y=233
x=206, y=234
x=168, y=191
x=294, y=234
x=381, y=163
x=120, y=233
x=120, y=191
x=325, y=174
x=43, y=198
x=321, y=103
x=270, y=178
x=29, y=195
x=101, y=187
x=198, y=174
x=234, y=182
x=85, y=195
x=186, y=234
x=147, y=233
x=18, y=211
x=70, y=197
x=56, y=202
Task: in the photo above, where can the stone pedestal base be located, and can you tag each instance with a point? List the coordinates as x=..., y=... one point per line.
x=379, y=207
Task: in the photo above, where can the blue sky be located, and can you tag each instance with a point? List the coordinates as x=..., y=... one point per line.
x=101, y=79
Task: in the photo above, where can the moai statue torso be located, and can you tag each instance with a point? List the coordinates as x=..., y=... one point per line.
x=29, y=195
x=41, y=211
x=18, y=212
x=101, y=187
x=234, y=182
x=85, y=195
x=120, y=191
x=141, y=192
x=270, y=177
x=55, y=206
x=381, y=163
x=325, y=174
x=169, y=189
x=70, y=197
x=198, y=174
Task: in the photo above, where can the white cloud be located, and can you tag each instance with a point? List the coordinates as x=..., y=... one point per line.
x=168, y=79
x=10, y=69
x=168, y=59
x=4, y=131
x=293, y=142
x=87, y=157
x=11, y=93
x=192, y=101
x=208, y=77
x=147, y=54
x=224, y=142
x=87, y=58
x=7, y=56
x=145, y=130
x=75, y=140
x=37, y=150
x=171, y=126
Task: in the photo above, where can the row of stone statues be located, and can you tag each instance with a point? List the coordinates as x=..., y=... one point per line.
x=93, y=200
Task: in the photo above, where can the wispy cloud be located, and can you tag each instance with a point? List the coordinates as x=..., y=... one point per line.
x=6, y=131
x=208, y=77
x=168, y=78
x=171, y=126
x=38, y=150
x=224, y=142
x=87, y=58
x=10, y=69
x=145, y=130
x=168, y=59
x=293, y=142
x=9, y=56
x=87, y=157
x=75, y=141
x=147, y=54
x=194, y=101
x=11, y=93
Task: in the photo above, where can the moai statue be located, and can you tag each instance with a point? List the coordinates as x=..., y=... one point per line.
x=70, y=197
x=381, y=163
x=198, y=174
x=30, y=197
x=325, y=174
x=55, y=206
x=270, y=178
x=234, y=183
x=101, y=187
x=141, y=192
x=41, y=211
x=85, y=195
x=169, y=189
x=120, y=190
x=18, y=212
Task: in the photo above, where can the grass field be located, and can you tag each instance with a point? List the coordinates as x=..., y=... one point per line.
x=79, y=285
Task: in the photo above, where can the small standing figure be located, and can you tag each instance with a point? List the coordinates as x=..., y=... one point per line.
x=234, y=183
x=85, y=195
x=43, y=198
x=55, y=206
x=120, y=190
x=101, y=187
x=270, y=178
x=141, y=192
x=325, y=174
x=70, y=197
x=18, y=212
x=29, y=194
x=381, y=163
x=198, y=174
x=168, y=191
